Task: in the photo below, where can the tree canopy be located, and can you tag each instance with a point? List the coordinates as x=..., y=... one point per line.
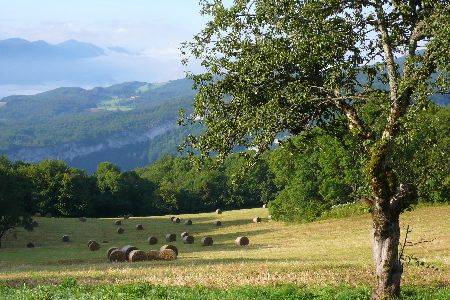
x=283, y=67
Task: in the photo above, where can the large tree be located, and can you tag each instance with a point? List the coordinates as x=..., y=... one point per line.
x=284, y=66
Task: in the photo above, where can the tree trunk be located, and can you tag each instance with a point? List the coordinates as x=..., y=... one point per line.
x=389, y=269
x=389, y=201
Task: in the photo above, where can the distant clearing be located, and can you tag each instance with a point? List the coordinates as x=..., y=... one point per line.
x=116, y=104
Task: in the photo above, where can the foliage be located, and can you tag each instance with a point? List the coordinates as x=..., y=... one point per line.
x=15, y=200
x=345, y=210
x=122, y=193
x=315, y=171
x=184, y=188
x=57, y=189
x=421, y=156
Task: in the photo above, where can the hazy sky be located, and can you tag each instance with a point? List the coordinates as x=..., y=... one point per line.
x=151, y=30
x=155, y=27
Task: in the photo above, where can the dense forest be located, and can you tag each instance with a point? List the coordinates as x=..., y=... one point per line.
x=302, y=178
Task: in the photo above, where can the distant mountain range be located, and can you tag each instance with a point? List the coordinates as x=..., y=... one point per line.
x=20, y=49
x=26, y=63
x=129, y=124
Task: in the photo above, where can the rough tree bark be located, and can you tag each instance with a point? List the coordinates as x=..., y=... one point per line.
x=388, y=203
x=389, y=269
x=386, y=236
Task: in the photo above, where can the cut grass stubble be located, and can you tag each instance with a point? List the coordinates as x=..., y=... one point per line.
x=329, y=252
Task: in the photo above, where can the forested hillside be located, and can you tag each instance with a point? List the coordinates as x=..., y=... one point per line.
x=130, y=124
x=303, y=179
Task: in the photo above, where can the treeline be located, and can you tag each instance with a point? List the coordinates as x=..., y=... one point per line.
x=171, y=185
x=301, y=179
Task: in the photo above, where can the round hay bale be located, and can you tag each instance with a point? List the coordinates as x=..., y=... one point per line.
x=167, y=254
x=37, y=215
x=183, y=234
x=94, y=246
x=117, y=256
x=35, y=224
x=218, y=211
x=65, y=238
x=176, y=220
x=269, y=217
x=189, y=239
x=118, y=223
x=30, y=245
x=139, y=227
x=120, y=230
x=172, y=217
x=137, y=255
x=264, y=206
x=90, y=241
x=256, y=220
x=171, y=237
x=127, y=249
x=82, y=219
x=242, y=241
x=171, y=247
x=152, y=240
x=218, y=223
x=207, y=241
x=108, y=253
x=188, y=222
x=152, y=255
x=126, y=217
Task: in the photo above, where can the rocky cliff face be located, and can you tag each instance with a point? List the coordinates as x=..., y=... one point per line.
x=76, y=150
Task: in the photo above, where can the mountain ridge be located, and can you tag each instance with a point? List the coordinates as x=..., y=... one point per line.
x=32, y=64
x=17, y=48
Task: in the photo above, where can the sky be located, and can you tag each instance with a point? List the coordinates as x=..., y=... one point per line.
x=152, y=30
x=155, y=27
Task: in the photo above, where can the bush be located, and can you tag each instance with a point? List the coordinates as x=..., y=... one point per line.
x=314, y=172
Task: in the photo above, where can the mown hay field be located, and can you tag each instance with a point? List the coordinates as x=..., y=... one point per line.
x=329, y=252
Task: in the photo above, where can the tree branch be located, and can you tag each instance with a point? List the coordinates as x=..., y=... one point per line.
x=404, y=196
x=355, y=122
x=416, y=35
x=391, y=71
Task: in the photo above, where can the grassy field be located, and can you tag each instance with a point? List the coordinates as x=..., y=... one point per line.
x=335, y=252
x=71, y=290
